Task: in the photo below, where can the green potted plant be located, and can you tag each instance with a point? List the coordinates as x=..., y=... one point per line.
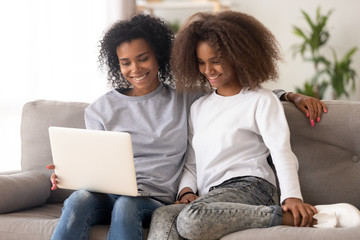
x=335, y=73
x=174, y=26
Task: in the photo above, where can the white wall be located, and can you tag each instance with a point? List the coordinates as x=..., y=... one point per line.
x=280, y=15
x=48, y=50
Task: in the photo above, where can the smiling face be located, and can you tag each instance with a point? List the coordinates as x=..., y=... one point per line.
x=139, y=66
x=219, y=73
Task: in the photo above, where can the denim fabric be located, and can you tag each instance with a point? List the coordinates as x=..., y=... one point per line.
x=235, y=205
x=84, y=209
x=163, y=223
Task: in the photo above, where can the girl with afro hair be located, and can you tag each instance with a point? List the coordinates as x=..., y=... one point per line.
x=228, y=184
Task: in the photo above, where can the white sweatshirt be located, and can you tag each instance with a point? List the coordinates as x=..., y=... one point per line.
x=232, y=136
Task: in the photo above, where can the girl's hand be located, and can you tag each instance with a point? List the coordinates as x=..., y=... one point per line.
x=302, y=213
x=310, y=106
x=53, y=177
x=186, y=196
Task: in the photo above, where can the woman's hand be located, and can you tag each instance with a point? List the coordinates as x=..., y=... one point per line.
x=310, y=106
x=53, y=177
x=301, y=213
x=186, y=196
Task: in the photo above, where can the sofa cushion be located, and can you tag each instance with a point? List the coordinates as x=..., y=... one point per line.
x=23, y=190
x=37, y=116
x=328, y=153
x=36, y=223
x=39, y=223
x=295, y=233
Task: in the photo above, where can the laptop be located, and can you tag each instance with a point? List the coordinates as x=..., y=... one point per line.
x=95, y=160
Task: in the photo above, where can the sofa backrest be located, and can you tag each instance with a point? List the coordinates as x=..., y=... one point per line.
x=37, y=116
x=328, y=153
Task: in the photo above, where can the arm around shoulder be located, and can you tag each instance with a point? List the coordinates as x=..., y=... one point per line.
x=312, y=107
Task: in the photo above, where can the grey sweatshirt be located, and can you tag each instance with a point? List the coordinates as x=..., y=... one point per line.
x=157, y=123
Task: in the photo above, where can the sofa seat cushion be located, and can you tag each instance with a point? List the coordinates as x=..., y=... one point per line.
x=39, y=223
x=36, y=223
x=295, y=233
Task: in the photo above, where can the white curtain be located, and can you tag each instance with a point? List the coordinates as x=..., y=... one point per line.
x=48, y=50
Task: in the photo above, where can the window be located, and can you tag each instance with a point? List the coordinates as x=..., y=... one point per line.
x=48, y=51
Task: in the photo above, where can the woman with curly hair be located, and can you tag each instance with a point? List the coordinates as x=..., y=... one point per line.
x=227, y=183
x=136, y=53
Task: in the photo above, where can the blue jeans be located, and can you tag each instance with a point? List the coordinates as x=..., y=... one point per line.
x=83, y=209
x=235, y=205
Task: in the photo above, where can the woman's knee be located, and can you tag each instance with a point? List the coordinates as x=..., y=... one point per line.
x=126, y=209
x=125, y=204
x=83, y=199
x=78, y=198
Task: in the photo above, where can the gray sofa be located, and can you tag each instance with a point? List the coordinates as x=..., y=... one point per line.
x=329, y=158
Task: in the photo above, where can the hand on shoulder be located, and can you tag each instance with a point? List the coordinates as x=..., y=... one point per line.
x=310, y=106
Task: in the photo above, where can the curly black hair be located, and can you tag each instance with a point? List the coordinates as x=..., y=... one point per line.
x=153, y=30
x=239, y=39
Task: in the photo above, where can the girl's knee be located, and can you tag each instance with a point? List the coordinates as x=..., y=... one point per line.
x=189, y=222
x=168, y=212
x=163, y=222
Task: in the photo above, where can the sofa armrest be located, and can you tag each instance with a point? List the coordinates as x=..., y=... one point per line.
x=23, y=190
